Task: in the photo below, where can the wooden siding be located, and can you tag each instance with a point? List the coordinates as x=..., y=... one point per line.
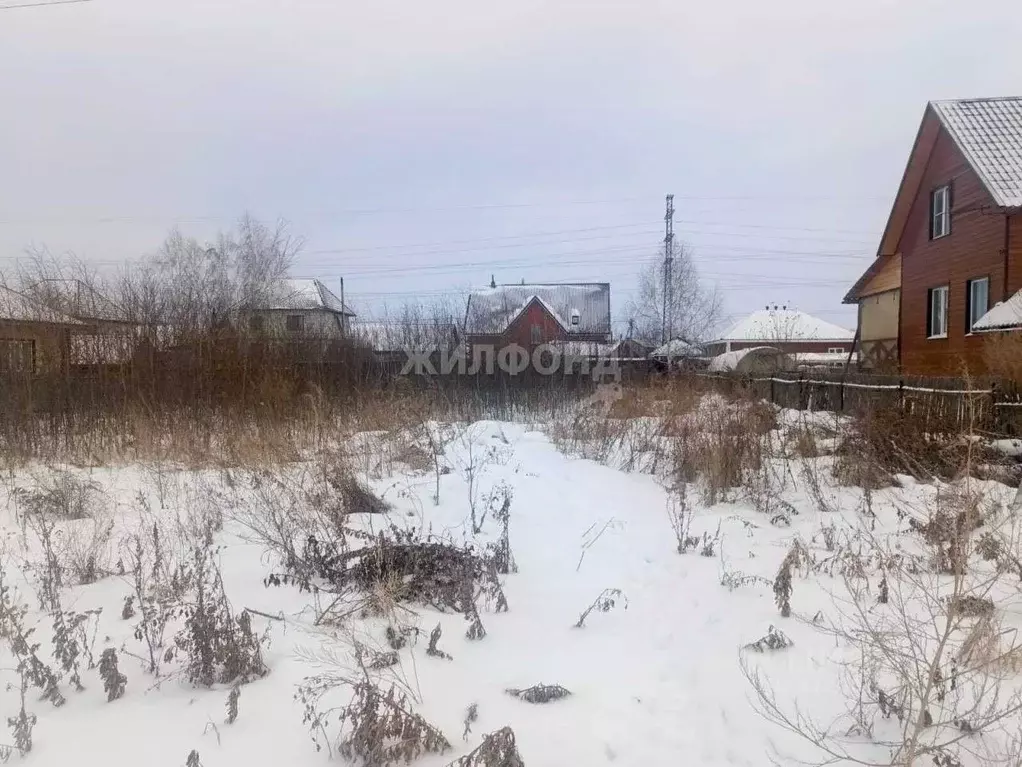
x=1015, y=257
x=974, y=248
x=888, y=278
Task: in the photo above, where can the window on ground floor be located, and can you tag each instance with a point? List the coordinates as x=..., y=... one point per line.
x=936, y=317
x=977, y=301
x=17, y=356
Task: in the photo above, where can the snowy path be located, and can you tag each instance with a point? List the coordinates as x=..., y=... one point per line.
x=656, y=684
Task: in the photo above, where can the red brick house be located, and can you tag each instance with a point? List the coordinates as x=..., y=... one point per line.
x=952, y=248
x=530, y=315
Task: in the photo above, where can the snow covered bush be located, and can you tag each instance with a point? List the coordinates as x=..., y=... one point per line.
x=498, y=749
x=928, y=675
x=378, y=726
x=61, y=495
x=114, y=681
x=219, y=647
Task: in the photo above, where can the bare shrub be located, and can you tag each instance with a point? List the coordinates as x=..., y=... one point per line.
x=500, y=552
x=220, y=648
x=774, y=639
x=926, y=666
x=498, y=749
x=232, y=704
x=73, y=642
x=30, y=668
x=378, y=727
x=540, y=693
x=680, y=515
x=798, y=556
x=86, y=550
x=604, y=603
x=61, y=495
x=432, y=650
x=23, y=722
x=722, y=447
x=471, y=716
x=114, y=681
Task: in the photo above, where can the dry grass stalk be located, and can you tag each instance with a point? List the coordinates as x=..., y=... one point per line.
x=498, y=749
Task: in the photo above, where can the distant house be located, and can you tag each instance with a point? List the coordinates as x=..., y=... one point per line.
x=298, y=308
x=785, y=329
x=531, y=315
x=105, y=335
x=33, y=337
x=751, y=360
x=949, y=265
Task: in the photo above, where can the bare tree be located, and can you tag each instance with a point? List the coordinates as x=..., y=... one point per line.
x=195, y=288
x=696, y=308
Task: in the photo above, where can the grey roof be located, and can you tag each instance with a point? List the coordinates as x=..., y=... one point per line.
x=491, y=310
x=20, y=308
x=989, y=134
x=77, y=299
x=303, y=294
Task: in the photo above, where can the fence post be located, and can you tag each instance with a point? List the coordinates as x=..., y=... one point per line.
x=773, y=395
x=901, y=394
x=841, y=406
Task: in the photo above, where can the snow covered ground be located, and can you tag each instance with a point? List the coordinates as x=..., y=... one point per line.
x=654, y=681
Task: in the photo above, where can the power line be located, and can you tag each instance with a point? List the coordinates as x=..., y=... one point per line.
x=42, y=4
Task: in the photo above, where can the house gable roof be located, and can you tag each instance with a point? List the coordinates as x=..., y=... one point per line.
x=784, y=324
x=490, y=311
x=987, y=133
x=302, y=294
x=18, y=307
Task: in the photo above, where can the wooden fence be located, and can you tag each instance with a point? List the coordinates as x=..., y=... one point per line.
x=939, y=404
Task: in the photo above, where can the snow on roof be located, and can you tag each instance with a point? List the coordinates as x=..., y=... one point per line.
x=304, y=294
x=78, y=299
x=729, y=361
x=1004, y=315
x=677, y=348
x=492, y=310
x=989, y=134
x=19, y=307
x=784, y=324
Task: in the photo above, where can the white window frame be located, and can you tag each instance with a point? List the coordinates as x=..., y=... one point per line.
x=971, y=285
x=940, y=207
x=944, y=291
x=836, y=350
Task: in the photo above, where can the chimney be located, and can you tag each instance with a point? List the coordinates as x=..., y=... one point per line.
x=493, y=281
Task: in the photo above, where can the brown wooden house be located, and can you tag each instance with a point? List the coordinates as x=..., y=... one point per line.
x=952, y=247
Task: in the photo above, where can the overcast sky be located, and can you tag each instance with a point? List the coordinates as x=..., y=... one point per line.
x=422, y=146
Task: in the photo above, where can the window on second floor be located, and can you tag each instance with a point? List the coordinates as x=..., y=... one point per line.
x=295, y=323
x=940, y=212
x=936, y=317
x=256, y=323
x=977, y=301
x=836, y=350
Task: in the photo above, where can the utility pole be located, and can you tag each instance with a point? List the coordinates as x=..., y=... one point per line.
x=668, y=282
